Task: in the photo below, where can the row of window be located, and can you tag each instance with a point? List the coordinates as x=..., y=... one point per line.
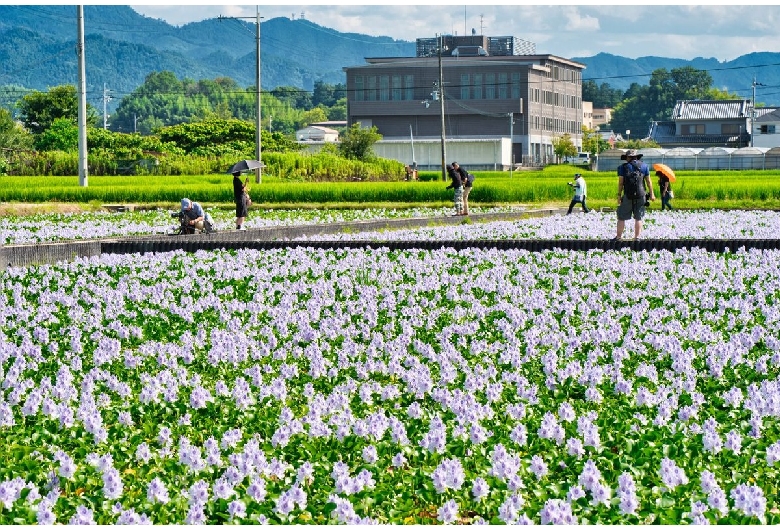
x=690, y=129
x=475, y=86
x=556, y=125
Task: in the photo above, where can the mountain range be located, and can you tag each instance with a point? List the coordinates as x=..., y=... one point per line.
x=37, y=51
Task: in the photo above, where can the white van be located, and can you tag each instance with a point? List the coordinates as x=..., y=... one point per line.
x=582, y=159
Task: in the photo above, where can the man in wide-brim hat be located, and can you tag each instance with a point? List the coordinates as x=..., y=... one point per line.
x=632, y=206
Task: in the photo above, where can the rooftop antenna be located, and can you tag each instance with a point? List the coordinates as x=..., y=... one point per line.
x=303, y=15
x=465, y=31
x=481, y=20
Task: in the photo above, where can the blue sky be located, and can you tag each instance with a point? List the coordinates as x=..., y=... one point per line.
x=675, y=31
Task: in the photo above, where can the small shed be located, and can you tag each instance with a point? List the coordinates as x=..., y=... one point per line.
x=315, y=133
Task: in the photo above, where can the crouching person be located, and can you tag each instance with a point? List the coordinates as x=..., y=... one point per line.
x=196, y=218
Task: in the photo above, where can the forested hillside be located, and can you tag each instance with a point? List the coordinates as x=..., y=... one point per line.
x=37, y=44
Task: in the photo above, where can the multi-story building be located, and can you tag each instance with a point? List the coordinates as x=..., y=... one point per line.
x=401, y=96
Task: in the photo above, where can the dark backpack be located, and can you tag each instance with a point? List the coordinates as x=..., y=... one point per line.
x=469, y=180
x=633, y=182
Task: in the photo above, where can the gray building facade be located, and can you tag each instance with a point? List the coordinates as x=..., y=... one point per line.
x=541, y=93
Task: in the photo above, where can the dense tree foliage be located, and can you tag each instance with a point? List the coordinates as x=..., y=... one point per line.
x=563, y=146
x=12, y=135
x=602, y=96
x=641, y=105
x=39, y=110
x=357, y=143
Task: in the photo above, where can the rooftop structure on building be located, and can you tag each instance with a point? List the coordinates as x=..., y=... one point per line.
x=454, y=46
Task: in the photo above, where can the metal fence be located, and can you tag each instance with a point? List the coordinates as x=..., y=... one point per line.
x=704, y=160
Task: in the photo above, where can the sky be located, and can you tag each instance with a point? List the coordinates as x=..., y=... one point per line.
x=678, y=31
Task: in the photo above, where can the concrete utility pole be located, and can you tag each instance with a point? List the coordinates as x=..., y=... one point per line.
x=82, y=115
x=106, y=99
x=441, y=102
x=753, y=113
x=258, y=151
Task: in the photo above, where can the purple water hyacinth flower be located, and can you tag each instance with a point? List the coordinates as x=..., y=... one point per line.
x=256, y=489
x=223, y=489
x=519, y=435
x=734, y=442
x=509, y=511
x=83, y=516
x=575, y=492
x=448, y=512
x=157, y=491
x=45, y=515
x=448, y=475
x=198, y=493
x=399, y=460
x=195, y=515
x=749, y=500
x=557, y=511
x=369, y=454
x=479, y=488
x=344, y=511
x=143, y=453
x=773, y=453
x=67, y=467
x=671, y=474
x=236, y=510
x=538, y=467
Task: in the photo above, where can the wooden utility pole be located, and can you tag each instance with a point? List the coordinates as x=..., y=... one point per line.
x=82, y=115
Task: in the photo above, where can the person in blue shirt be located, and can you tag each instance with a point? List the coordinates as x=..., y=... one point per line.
x=632, y=207
x=197, y=218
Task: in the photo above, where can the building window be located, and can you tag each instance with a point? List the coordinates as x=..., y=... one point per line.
x=359, y=94
x=397, y=88
x=691, y=129
x=384, y=88
x=730, y=128
x=477, y=86
x=371, y=88
x=767, y=129
x=515, y=85
x=502, y=82
x=409, y=83
x=490, y=86
x=464, y=86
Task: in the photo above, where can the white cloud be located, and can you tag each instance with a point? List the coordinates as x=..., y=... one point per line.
x=674, y=31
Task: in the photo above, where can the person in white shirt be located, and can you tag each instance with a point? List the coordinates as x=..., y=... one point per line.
x=580, y=193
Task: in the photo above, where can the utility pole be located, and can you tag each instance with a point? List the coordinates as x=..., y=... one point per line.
x=258, y=171
x=82, y=113
x=441, y=103
x=106, y=99
x=511, y=142
x=753, y=112
x=258, y=150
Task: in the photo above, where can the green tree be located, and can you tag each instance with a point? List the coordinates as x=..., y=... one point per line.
x=293, y=96
x=62, y=135
x=592, y=142
x=338, y=112
x=315, y=115
x=563, y=146
x=644, y=104
x=39, y=110
x=12, y=134
x=357, y=143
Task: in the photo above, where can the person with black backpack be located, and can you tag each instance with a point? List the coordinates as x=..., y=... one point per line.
x=633, y=186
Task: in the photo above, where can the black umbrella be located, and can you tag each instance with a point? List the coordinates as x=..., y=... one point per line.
x=245, y=165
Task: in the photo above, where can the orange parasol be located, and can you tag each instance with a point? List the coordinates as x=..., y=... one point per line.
x=666, y=170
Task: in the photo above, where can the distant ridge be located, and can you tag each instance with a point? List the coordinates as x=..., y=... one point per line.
x=37, y=46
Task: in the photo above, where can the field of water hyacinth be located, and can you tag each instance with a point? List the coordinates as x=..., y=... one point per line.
x=594, y=225
x=357, y=386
